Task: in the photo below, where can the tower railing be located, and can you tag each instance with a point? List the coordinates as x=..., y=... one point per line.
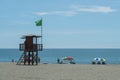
x=34, y=47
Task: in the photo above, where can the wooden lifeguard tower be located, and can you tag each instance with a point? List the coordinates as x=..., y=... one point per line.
x=30, y=49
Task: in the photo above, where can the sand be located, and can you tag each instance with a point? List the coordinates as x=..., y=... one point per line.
x=11, y=71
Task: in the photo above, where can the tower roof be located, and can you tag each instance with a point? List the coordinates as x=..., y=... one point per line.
x=31, y=35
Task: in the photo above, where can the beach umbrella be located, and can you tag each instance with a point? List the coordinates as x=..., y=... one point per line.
x=103, y=59
x=97, y=59
x=64, y=58
x=69, y=58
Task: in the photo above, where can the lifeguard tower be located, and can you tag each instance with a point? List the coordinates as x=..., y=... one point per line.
x=30, y=49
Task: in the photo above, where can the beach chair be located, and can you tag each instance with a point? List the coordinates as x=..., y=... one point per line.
x=93, y=62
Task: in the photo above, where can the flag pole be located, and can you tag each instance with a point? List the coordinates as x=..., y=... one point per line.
x=41, y=36
x=39, y=23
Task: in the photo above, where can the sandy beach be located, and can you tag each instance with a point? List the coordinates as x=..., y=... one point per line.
x=11, y=71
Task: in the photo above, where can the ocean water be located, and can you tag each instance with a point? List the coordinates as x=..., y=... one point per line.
x=81, y=56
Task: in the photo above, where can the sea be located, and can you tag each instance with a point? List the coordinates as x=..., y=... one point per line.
x=80, y=56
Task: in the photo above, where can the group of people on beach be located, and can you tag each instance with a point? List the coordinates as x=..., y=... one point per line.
x=95, y=61
x=99, y=61
x=59, y=61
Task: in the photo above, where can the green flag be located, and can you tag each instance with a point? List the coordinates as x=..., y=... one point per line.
x=38, y=22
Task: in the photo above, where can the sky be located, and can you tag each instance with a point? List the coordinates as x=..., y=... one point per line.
x=66, y=23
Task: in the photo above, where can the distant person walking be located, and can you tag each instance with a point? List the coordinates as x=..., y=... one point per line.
x=13, y=60
x=38, y=59
x=58, y=60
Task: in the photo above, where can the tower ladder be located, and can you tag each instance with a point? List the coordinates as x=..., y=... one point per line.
x=21, y=59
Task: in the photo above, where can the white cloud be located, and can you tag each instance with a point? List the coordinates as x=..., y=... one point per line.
x=99, y=9
x=66, y=13
x=42, y=13
x=76, y=9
